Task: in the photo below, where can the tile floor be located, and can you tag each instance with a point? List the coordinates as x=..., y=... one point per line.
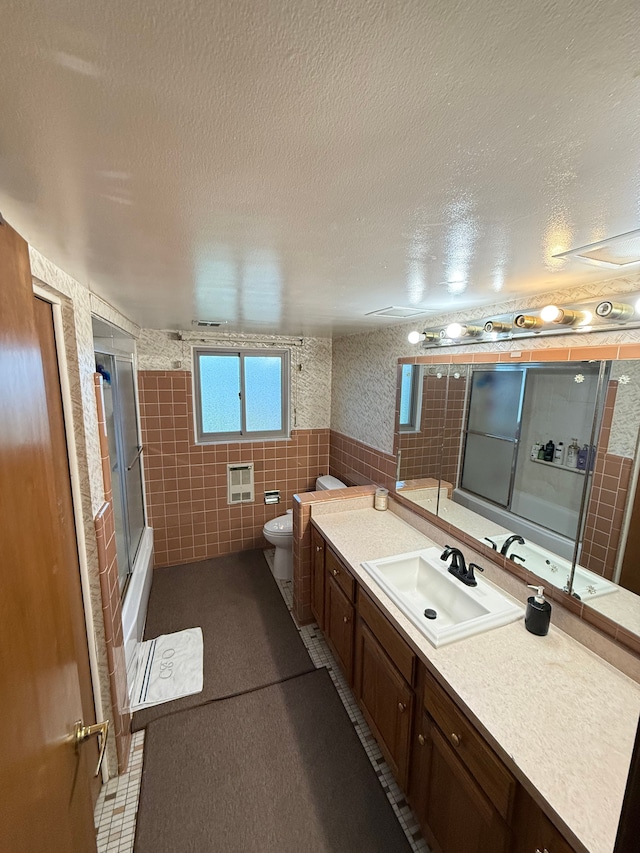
x=117, y=805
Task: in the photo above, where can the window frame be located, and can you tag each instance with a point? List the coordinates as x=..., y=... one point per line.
x=202, y=437
x=415, y=399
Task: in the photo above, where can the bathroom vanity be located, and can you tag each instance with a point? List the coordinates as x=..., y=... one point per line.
x=503, y=741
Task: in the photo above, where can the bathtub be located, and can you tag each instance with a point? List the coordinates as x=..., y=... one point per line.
x=134, y=606
x=553, y=569
x=561, y=545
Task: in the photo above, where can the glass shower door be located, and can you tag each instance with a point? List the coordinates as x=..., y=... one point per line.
x=124, y=452
x=131, y=451
x=491, y=443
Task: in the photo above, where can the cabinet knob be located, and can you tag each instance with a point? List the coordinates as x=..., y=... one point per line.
x=345, y=619
x=455, y=739
x=318, y=547
x=541, y=851
x=421, y=740
x=335, y=572
x=401, y=707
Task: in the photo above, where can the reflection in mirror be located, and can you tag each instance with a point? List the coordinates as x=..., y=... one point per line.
x=423, y=406
x=536, y=460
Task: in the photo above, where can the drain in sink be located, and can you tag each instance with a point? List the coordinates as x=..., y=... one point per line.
x=430, y=614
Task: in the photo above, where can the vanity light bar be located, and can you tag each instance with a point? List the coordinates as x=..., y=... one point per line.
x=594, y=315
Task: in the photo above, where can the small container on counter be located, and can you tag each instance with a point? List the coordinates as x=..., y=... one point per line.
x=381, y=499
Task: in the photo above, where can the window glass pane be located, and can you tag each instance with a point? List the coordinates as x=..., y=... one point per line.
x=487, y=467
x=220, y=393
x=495, y=401
x=263, y=393
x=406, y=395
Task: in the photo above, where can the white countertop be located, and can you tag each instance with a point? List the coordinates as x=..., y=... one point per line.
x=563, y=719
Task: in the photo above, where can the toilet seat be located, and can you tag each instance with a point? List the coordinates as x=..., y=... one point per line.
x=283, y=524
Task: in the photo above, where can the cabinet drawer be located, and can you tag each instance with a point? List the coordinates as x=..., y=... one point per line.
x=387, y=636
x=340, y=574
x=491, y=774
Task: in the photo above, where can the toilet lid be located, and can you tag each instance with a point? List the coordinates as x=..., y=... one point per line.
x=281, y=524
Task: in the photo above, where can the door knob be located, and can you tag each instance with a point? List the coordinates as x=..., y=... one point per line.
x=455, y=739
x=82, y=732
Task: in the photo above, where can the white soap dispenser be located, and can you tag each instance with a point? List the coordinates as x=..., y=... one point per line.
x=538, y=615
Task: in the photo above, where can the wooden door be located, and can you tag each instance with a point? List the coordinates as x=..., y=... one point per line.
x=630, y=573
x=458, y=814
x=44, y=782
x=338, y=619
x=532, y=829
x=317, y=577
x=420, y=769
x=386, y=701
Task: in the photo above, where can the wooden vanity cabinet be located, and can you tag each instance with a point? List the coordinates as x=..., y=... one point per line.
x=461, y=792
x=384, y=667
x=339, y=612
x=464, y=797
x=317, y=577
x=533, y=832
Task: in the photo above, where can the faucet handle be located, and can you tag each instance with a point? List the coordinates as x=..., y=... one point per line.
x=470, y=576
x=491, y=542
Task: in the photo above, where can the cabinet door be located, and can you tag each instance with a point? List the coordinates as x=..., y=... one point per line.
x=420, y=769
x=386, y=701
x=338, y=625
x=317, y=577
x=533, y=832
x=458, y=815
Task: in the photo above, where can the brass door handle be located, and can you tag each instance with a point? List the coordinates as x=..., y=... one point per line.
x=455, y=739
x=82, y=732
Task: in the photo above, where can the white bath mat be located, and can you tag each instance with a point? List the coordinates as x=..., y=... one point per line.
x=169, y=667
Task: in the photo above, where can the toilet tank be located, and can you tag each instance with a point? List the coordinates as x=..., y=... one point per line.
x=325, y=483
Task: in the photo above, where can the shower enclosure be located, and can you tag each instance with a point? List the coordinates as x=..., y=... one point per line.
x=119, y=390
x=513, y=409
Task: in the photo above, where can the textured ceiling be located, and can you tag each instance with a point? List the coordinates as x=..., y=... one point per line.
x=290, y=166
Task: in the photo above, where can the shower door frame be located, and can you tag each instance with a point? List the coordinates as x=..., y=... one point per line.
x=604, y=370
x=122, y=463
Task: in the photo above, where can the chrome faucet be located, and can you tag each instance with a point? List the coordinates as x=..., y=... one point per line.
x=509, y=541
x=458, y=567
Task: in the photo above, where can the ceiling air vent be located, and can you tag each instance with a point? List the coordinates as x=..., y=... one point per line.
x=397, y=313
x=620, y=251
x=208, y=324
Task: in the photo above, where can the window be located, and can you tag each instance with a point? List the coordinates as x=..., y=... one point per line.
x=410, y=397
x=241, y=395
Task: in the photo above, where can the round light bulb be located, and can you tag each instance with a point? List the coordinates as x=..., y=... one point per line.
x=415, y=337
x=551, y=313
x=454, y=330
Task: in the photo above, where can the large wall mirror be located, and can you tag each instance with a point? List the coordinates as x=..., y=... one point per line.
x=536, y=461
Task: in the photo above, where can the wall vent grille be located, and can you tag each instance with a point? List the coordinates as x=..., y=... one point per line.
x=240, y=488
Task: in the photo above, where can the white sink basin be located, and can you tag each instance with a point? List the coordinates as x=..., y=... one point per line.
x=421, y=581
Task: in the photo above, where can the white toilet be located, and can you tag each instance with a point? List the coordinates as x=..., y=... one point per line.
x=279, y=532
